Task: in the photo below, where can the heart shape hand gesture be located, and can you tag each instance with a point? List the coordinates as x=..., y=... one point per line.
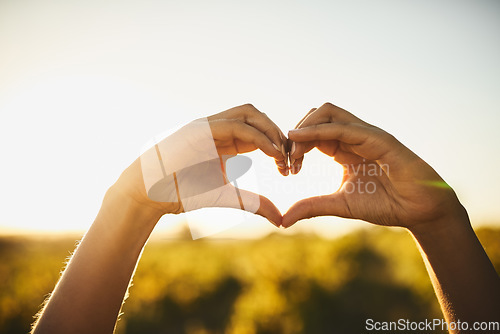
x=383, y=181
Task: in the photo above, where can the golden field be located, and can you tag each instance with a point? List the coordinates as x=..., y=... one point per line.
x=278, y=284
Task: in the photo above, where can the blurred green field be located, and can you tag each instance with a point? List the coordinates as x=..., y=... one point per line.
x=279, y=284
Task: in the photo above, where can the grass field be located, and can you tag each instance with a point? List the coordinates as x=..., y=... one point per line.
x=279, y=284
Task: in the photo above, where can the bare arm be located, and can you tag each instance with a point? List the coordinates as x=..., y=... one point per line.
x=90, y=293
x=386, y=184
x=465, y=282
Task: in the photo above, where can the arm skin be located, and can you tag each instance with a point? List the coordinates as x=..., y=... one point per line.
x=408, y=193
x=89, y=295
x=91, y=290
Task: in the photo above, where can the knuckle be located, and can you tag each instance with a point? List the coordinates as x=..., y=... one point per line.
x=331, y=111
x=386, y=136
x=328, y=105
x=249, y=111
x=316, y=127
x=389, y=137
x=249, y=107
x=233, y=122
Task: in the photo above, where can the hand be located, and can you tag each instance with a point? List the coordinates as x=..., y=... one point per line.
x=186, y=170
x=383, y=182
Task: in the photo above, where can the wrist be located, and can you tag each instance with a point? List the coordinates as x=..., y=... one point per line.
x=126, y=219
x=130, y=185
x=441, y=240
x=456, y=220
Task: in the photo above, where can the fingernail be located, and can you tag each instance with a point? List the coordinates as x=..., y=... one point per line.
x=292, y=161
x=281, y=164
x=292, y=151
x=299, y=166
x=287, y=172
x=283, y=150
x=276, y=147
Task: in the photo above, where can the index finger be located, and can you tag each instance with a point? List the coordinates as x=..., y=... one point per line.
x=250, y=115
x=366, y=141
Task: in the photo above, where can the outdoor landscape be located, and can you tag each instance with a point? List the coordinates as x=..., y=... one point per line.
x=278, y=284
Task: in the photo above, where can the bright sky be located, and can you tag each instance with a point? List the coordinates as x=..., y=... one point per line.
x=84, y=84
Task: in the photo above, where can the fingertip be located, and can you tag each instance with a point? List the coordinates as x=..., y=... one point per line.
x=283, y=171
x=298, y=150
x=287, y=221
x=280, y=164
x=282, y=167
x=296, y=164
x=281, y=151
x=301, y=135
x=292, y=134
x=268, y=210
x=277, y=224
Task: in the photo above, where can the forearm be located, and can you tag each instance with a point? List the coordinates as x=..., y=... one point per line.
x=465, y=281
x=89, y=295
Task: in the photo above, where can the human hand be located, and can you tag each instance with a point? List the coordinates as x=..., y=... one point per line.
x=383, y=181
x=187, y=169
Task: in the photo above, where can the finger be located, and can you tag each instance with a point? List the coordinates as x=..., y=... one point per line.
x=334, y=114
x=263, y=123
x=330, y=205
x=282, y=167
x=296, y=160
x=327, y=113
x=247, y=113
x=314, y=116
x=234, y=130
x=298, y=149
x=296, y=165
x=232, y=197
x=264, y=207
x=268, y=210
x=366, y=141
x=304, y=118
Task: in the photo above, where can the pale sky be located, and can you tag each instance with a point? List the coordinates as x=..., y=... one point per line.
x=84, y=84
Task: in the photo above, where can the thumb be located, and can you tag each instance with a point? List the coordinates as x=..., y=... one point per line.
x=327, y=205
x=232, y=197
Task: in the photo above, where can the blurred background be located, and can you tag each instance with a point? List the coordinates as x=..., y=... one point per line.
x=277, y=284
x=84, y=84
